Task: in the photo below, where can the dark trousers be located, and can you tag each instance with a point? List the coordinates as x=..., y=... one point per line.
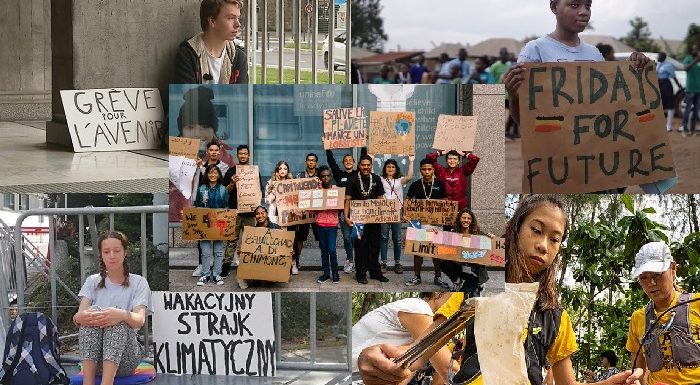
x=367, y=252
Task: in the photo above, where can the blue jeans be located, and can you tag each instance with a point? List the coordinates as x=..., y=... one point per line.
x=396, y=237
x=206, y=249
x=329, y=258
x=347, y=240
x=692, y=99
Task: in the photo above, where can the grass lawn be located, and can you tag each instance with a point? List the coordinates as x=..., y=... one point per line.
x=273, y=76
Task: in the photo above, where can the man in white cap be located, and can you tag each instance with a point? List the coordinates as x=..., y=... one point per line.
x=672, y=354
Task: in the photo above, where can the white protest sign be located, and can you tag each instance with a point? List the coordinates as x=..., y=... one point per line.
x=114, y=119
x=182, y=173
x=213, y=333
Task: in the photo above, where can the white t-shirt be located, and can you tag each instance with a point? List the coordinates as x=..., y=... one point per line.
x=547, y=50
x=115, y=295
x=382, y=325
x=215, y=66
x=393, y=189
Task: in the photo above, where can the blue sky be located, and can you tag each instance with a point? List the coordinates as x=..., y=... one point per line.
x=415, y=23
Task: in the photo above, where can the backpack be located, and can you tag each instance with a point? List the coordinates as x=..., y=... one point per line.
x=31, y=352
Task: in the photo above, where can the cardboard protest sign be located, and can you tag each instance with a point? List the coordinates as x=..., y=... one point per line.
x=431, y=211
x=183, y=174
x=266, y=254
x=227, y=334
x=455, y=132
x=287, y=201
x=392, y=132
x=114, y=119
x=477, y=249
x=322, y=199
x=592, y=126
x=375, y=211
x=248, y=188
x=187, y=147
x=210, y=224
x=344, y=128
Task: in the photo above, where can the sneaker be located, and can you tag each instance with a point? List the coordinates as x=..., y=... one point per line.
x=362, y=280
x=225, y=269
x=669, y=129
x=680, y=128
x=336, y=280
x=383, y=267
x=398, y=268
x=243, y=284
x=415, y=281
x=202, y=281
x=295, y=271
x=218, y=280
x=349, y=267
x=437, y=281
x=684, y=134
x=323, y=278
x=235, y=259
x=197, y=272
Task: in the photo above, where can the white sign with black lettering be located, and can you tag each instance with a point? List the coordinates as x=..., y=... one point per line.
x=229, y=334
x=114, y=119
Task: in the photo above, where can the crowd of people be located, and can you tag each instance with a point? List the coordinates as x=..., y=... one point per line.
x=366, y=245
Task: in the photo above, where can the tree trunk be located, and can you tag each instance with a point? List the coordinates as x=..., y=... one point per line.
x=367, y=303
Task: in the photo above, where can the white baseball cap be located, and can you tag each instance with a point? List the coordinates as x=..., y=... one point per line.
x=653, y=257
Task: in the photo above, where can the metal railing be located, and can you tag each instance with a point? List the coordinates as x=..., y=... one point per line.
x=313, y=362
x=23, y=250
x=255, y=38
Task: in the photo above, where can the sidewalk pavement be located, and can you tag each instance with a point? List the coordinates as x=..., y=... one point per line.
x=184, y=260
x=29, y=165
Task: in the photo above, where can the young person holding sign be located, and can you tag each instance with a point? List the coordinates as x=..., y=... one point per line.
x=394, y=182
x=454, y=176
x=211, y=56
x=302, y=230
x=473, y=281
x=428, y=187
x=113, y=307
x=326, y=227
x=212, y=195
x=365, y=185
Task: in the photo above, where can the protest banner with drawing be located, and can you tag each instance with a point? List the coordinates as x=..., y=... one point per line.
x=114, y=119
x=392, y=132
x=226, y=334
x=455, y=132
x=322, y=199
x=431, y=211
x=248, y=188
x=477, y=249
x=182, y=164
x=344, y=128
x=375, y=211
x=592, y=126
x=266, y=254
x=210, y=224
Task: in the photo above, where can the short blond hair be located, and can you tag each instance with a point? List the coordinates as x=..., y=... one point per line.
x=211, y=8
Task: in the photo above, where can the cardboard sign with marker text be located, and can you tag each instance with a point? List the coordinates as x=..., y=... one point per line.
x=344, y=128
x=375, y=211
x=248, y=188
x=210, y=224
x=187, y=147
x=266, y=254
x=477, y=249
x=287, y=201
x=431, y=211
x=592, y=126
x=455, y=132
x=392, y=132
x=114, y=119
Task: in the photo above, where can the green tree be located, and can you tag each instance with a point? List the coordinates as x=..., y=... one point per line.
x=367, y=25
x=639, y=37
x=692, y=37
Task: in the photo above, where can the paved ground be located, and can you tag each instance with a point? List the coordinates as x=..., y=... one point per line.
x=183, y=261
x=28, y=164
x=686, y=156
x=282, y=377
